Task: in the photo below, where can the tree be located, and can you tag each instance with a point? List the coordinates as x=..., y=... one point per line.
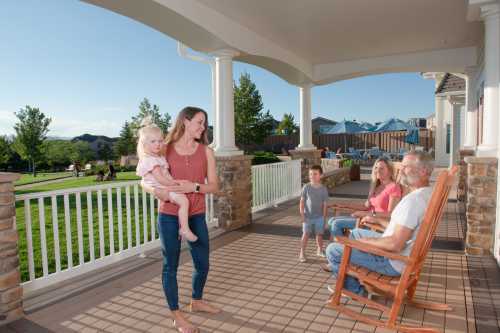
x=251, y=124
x=126, y=144
x=81, y=152
x=287, y=125
x=57, y=153
x=31, y=132
x=153, y=111
x=104, y=151
x=5, y=150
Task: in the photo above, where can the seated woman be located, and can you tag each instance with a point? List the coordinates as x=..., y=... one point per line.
x=383, y=196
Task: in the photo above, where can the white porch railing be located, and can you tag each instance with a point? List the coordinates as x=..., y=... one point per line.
x=69, y=232
x=275, y=183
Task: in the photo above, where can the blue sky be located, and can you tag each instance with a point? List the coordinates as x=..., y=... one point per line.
x=88, y=69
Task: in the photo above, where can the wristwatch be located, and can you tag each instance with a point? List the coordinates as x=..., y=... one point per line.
x=196, y=188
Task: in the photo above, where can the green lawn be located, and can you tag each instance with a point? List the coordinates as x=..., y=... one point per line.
x=49, y=223
x=78, y=182
x=40, y=177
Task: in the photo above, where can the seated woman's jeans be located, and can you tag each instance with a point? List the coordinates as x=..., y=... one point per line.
x=168, y=228
x=339, y=223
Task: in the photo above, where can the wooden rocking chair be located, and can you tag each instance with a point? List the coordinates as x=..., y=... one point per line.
x=401, y=286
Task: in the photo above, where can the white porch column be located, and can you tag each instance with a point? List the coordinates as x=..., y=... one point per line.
x=440, y=135
x=457, y=105
x=491, y=16
x=305, y=118
x=224, y=112
x=470, y=108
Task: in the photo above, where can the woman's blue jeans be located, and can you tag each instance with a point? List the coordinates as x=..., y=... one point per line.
x=168, y=228
x=339, y=223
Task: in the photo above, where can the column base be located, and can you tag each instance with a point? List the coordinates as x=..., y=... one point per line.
x=233, y=203
x=224, y=151
x=486, y=151
x=306, y=147
x=309, y=158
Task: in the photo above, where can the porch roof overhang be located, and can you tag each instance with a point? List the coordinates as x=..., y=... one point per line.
x=319, y=41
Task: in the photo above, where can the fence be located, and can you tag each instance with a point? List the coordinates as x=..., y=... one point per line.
x=274, y=183
x=69, y=232
x=387, y=141
x=65, y=233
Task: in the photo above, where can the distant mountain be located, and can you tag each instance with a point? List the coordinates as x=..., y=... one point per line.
x=92, y=138
x=96, y=142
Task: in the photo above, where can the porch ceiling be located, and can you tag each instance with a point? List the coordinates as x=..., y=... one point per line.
x=296, y=39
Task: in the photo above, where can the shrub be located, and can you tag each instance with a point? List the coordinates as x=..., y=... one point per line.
x=264, y=157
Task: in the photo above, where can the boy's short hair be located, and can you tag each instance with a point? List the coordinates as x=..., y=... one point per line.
x=317, y=168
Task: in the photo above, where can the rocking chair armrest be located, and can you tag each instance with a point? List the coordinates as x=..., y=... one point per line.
x=373, y=250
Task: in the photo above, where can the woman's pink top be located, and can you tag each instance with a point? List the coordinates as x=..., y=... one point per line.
x=187, y=167
x=380, y=202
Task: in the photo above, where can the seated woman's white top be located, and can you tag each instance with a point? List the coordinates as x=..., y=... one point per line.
x=146, y=166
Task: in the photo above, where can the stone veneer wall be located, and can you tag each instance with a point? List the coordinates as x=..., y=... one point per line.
x=233, y=204
x=11, y=306
x=309, y=158
x=462, y=175
x=481, y=204
x=335, y=178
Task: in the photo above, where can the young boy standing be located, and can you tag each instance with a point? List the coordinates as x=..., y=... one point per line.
x=313, y=210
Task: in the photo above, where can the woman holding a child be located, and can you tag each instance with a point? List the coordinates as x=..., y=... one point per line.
x=191, y=164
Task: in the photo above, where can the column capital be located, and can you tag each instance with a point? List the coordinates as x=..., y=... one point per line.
x=225, y=53
x=490, y=10
x=308, y=85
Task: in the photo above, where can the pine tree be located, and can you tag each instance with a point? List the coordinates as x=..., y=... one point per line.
x=126, y=144
x=251, y=124
x=153, y=111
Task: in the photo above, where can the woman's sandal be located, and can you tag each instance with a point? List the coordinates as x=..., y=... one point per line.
x=185, y=329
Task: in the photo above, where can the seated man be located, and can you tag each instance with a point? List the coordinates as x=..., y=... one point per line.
x=402, y=230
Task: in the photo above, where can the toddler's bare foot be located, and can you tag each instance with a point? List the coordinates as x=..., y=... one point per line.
x=188, y=235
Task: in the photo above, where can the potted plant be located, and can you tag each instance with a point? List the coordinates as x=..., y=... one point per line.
x=355, y=169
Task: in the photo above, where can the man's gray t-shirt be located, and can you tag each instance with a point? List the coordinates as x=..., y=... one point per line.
x=314, y=197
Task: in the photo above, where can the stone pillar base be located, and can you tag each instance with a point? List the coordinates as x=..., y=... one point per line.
x=462, y=176
x=481, y=204
x=233, y=204
x=11, y=293
x=309, y=158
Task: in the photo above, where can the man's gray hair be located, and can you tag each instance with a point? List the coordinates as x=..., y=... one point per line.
x=424, y=160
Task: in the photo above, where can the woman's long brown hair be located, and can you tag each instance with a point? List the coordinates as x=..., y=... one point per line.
x=376, y=182
x=177, y=131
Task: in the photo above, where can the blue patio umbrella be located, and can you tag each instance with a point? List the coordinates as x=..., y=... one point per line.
x=393, y=124
x=367, y=126
x=345, y=127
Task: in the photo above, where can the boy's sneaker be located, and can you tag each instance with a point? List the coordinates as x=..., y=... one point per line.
x=302, y=258
x=321, y=253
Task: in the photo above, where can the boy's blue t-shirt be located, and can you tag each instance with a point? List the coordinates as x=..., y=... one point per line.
x=314, y=197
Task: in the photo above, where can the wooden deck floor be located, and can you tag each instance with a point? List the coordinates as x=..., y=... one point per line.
x=257, y=280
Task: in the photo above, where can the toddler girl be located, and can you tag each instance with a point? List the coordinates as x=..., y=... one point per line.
x=153, y=168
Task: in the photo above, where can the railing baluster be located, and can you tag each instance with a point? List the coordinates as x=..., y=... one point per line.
x=152, y=215
x=120, y=222
x=43, y=238
x=79, y=230
x=101, y=224
x=67, y=221
x=111, y=222
x=136, y=207
x=90, y=222
x=55, y=228
x=145, y=216
x=29, y=239
x=129, y=217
